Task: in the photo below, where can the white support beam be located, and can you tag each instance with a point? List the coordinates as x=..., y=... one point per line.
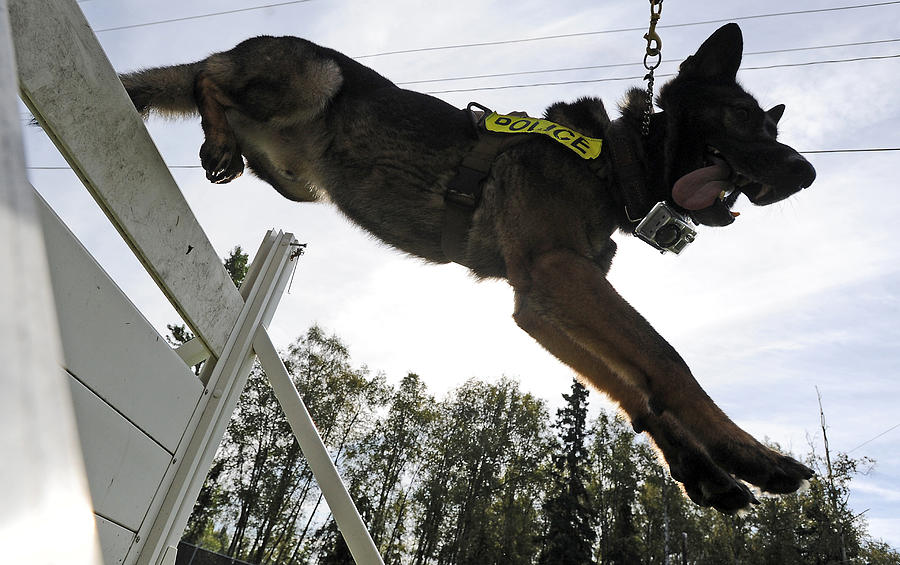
x=42, y=481
x=193, y=352
x=226, y=377
x=347, y=517
x=69, y=85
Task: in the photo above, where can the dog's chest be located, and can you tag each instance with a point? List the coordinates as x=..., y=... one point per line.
x=285, y=154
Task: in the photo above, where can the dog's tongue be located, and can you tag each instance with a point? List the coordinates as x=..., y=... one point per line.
x=699, y=189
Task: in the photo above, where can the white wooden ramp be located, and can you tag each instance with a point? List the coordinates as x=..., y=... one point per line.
x=148, y=426
x=42, y=482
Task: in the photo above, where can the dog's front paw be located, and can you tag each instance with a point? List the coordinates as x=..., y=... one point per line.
x=731, y=449
x=763, y=467
x=707, y=484
x=221, y=159
x=703, y=478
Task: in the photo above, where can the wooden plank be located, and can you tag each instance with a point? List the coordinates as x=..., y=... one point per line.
x=111, y=347
x=42, y=482
x=70, y=86
x=124, y=466
x=115, y=541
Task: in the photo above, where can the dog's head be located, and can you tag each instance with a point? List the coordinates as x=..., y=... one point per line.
x=719, y=142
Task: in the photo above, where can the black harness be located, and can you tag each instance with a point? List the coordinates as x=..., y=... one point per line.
x=464, y=190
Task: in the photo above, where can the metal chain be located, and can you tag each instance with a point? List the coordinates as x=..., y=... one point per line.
x=648, y=111
x=652, y=59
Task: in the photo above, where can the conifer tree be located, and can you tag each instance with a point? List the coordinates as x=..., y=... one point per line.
x=569, y=535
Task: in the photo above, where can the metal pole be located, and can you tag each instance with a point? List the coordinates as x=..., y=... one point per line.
x=342, y=507
x=46, y=515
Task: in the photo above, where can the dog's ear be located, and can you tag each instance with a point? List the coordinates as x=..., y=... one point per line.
x=775, y=112
x=718, y=58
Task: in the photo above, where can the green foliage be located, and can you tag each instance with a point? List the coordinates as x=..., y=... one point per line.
x=481, y=477
x=236, y=264
x=616, y=456
x=178, y=334
x=199, y=529
x=568, y=509
x=385, y=461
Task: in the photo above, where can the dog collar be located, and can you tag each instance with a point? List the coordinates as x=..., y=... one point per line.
x=656, y=223
x=623, y=146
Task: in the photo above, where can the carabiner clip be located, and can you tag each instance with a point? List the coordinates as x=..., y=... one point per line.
x=654, y=43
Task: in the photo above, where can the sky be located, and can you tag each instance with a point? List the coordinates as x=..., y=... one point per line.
x=791, y=298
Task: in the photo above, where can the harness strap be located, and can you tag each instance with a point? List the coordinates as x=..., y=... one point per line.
x=464, y=190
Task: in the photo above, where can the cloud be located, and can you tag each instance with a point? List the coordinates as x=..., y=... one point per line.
x=885, y=529
x=873, y=489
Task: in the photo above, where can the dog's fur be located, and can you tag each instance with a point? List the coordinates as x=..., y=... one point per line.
x=317, y=125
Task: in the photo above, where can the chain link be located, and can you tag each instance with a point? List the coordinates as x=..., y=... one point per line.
x=648, y=111
x=652, y=59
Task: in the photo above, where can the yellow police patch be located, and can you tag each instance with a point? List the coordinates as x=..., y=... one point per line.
x=585, y=147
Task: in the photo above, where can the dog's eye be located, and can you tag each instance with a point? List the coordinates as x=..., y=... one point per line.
x=742, y=114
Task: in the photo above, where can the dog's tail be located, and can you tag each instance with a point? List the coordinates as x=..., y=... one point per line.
x=166, y=91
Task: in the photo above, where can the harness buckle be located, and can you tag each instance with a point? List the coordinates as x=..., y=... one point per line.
x=460, y=187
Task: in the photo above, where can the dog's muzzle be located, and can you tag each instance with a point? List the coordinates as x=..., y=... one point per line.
x=792, y=174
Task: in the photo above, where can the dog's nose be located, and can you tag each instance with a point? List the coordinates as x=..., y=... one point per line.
x=802, y=170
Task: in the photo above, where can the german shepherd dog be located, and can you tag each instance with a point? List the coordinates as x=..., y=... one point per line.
x=317, y=125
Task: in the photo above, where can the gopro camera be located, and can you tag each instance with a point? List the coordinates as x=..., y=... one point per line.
x=665, y=229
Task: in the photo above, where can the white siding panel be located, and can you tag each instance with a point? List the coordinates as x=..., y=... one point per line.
x=111, y=347
x=124, y=466
x=45, y=514
x=114, y=541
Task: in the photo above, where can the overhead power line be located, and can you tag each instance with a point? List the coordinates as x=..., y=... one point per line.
x=814, y=151
x=641, y=76
x=199, y=16
x=867, y=150
x=637, y=63
x=892, y=428
x=623, y=30
x=508, y=41
x=823, y=62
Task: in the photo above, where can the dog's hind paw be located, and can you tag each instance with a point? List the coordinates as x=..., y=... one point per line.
x=221, y=160
x=234, y=169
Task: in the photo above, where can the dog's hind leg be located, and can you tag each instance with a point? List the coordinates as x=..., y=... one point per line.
x=619, y=352
x=220, y=154
x=254, y=91
x=247, y=97
x=185, y=90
